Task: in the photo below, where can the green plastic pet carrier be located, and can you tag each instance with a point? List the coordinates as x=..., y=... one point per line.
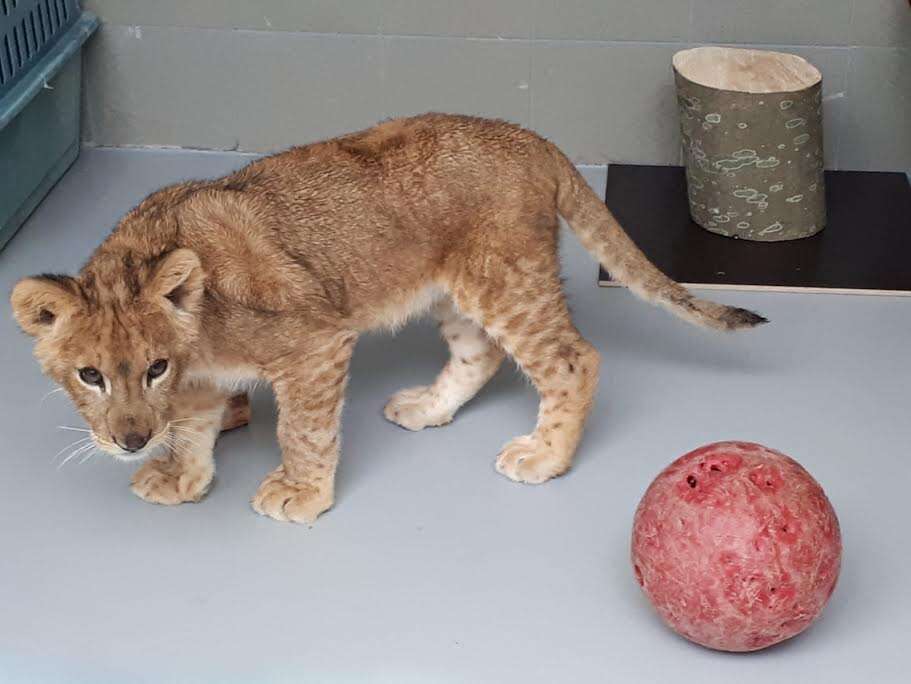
x=40, y=76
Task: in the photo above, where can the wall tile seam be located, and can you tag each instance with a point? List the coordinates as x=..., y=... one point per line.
x=499, y=39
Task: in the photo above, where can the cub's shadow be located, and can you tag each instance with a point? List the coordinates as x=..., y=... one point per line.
x=384, y=364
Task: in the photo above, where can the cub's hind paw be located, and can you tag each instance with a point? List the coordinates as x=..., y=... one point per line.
x=165, y=482
x=529, y=459
x=416, y=408
x=283, y=499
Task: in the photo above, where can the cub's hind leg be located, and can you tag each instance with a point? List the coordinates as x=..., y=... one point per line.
x=474, y=359
x=185, y=470
x=519, y=302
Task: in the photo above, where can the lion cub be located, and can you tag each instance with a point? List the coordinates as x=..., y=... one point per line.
x=272, y=273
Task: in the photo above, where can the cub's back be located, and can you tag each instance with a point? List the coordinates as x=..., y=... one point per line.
x=419, y=166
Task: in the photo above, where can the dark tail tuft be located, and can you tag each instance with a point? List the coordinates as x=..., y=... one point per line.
x=736, y=319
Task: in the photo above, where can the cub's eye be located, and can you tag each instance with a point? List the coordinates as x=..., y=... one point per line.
x=91, y=376
x=157, y=369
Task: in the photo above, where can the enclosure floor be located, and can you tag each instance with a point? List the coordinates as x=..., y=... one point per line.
x=432, y=567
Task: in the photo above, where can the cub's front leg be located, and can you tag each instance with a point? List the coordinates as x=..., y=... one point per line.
x=185, y=471
x=309, y=389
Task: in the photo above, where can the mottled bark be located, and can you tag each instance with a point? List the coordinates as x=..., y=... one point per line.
x=754, y=160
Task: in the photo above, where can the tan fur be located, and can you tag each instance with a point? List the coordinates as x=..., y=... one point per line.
x=272, y=273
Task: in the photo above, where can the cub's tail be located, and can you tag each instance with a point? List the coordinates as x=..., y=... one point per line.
x=605, y=239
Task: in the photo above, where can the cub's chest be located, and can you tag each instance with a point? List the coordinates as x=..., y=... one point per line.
x=233, y=377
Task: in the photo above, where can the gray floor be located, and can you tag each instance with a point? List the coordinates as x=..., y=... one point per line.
x=432, y=567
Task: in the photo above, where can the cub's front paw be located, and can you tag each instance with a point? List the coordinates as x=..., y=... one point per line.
x=284, y=499
x=166, y=481
x=416, y=408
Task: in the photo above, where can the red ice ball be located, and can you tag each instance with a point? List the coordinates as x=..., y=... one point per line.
x=736, y=546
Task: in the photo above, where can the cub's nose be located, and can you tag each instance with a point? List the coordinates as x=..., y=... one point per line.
x=134, y=441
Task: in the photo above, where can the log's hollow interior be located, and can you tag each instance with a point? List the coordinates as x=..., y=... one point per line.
x=746, y=71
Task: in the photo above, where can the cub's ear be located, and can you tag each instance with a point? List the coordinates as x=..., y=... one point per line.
x=179, y=278
x=42, y=301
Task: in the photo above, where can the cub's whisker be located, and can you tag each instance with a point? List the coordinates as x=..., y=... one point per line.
x=184, y=430
x=81, y=450
x=180, y=441
x=192, y=436
x=53, y=391
x=71, y=445
x=88, y=456
x=190, y=433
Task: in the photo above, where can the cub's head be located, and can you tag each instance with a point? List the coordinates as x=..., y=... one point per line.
x=118, y=338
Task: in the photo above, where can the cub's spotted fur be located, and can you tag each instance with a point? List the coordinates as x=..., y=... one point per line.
x=272, y=273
